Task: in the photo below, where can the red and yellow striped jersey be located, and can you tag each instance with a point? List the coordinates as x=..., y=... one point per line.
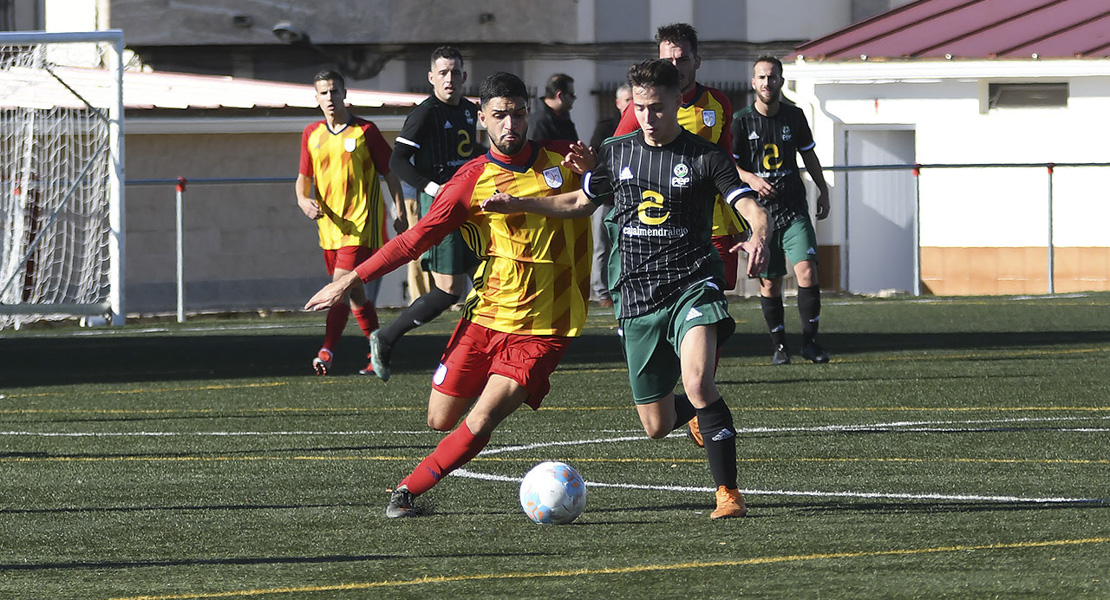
x=535, y=274
x=345, y=166
x=705, y=112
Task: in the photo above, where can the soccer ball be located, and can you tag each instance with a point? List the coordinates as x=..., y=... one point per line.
x=553, y=493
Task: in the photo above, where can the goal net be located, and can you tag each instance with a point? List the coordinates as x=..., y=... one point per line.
x=61, y=166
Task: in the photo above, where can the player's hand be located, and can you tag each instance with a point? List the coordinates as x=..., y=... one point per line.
x=330, y=294
x=501, y=202
x=756, y=249
x=761, y=186
x=310, y=208
x=580, y=159
x=822, y=205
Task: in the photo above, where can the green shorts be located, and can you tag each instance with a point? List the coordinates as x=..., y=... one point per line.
x=451, y=256
x=798, y=243
x=651, y=342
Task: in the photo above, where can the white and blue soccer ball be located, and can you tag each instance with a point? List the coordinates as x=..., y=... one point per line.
x=553, y=493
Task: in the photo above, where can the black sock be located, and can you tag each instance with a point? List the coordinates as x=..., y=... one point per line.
x=719, y=435
x=773, y=314
x=684, y=409
x=809, y=308
x=421, y=311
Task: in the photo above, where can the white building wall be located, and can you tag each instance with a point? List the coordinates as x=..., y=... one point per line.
x=974, y=207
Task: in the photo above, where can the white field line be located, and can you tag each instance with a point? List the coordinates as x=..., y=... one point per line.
x=813, y=493
x=914, y=426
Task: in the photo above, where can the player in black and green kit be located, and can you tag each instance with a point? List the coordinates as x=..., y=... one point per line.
x=666, y=276
x=766, y=140
x=438, y=137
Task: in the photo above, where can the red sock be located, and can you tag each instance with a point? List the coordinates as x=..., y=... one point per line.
x=336, y=322
x=453, y=451
x=367, y=318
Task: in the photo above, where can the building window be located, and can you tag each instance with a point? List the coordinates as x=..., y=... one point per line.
x=1028, y=95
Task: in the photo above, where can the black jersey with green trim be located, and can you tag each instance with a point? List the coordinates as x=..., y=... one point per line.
x=769, y=147
x=444, y=136
x=662, y=216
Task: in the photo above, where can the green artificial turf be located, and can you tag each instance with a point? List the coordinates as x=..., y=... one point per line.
x=952, y=448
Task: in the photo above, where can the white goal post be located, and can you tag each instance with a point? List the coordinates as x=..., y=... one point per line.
x=61, y=176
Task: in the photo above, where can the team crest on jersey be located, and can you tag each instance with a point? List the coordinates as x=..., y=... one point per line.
x=786, y=135
x=553, y=177
x=469, y=117
x=681, y=177
x=349, y=144
x=709, y=117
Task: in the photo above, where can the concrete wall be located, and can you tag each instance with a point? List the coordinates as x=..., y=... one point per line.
x=247, y=246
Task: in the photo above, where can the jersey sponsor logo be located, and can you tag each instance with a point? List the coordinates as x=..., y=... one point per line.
x=753, y=136
x=349, y=144
x=786, y=134
x=626, y=173
x=447, y=125
x=693, y=314
x=811, y=251
x=681, y=177
x=553, y=177
x=709, y=117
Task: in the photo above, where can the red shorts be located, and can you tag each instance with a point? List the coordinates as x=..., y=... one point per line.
x=732, y=259
x=476, y=352
x=346, y=258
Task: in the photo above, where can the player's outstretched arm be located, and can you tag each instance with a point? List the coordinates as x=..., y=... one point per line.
x=570, y=205
x=756, y=244
x=332, y=292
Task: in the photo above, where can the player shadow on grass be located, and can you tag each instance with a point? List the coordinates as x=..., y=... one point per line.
x=151, y=357
x=244, y=561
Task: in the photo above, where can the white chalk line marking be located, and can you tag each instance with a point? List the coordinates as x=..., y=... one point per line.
x=916, y=426
x=913, y=426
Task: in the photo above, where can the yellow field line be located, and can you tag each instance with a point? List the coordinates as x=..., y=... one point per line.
x=991, y=461
x=765, y=560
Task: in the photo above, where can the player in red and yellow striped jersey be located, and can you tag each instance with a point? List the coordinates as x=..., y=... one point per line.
x=530, y=295
x=705, y=112
x=341, y=159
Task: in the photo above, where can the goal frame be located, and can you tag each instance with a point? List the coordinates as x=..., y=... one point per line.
x=115, y=307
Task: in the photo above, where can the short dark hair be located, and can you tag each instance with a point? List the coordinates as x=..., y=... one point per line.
x=559, y=82
x=654, y=73
x=450, y=52
x=678, y=32
x=329, y=75
x=767, y=58
x=502, y=85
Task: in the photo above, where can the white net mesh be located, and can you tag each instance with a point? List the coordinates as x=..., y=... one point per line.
x=54, y=190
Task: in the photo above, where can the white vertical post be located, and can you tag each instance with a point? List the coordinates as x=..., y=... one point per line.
x=116, y=224
x=1051, y=242
x=180, y=187
x=917, y=230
